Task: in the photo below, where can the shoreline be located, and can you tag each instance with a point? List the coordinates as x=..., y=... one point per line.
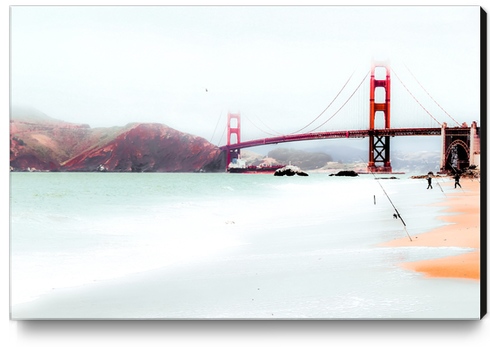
x=313, y=267
x=464, y=231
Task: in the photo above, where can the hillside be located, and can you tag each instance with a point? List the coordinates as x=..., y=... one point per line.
x=305, y=160
x=38, y=142
x=148, y=148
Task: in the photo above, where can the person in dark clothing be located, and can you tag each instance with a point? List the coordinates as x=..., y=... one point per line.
x=456, y=181
x=429, y=181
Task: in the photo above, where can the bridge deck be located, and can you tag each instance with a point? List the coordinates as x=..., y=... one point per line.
x=336, y=134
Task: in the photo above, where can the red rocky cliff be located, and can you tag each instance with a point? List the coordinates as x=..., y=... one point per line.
x=150, y=148
x=140, y=147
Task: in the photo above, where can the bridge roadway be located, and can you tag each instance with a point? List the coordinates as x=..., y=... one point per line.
x=336, y=135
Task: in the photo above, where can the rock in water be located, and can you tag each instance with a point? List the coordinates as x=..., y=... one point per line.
x=290, y=170
x=347, y=173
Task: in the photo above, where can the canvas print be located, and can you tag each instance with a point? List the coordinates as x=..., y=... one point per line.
x=246, y=162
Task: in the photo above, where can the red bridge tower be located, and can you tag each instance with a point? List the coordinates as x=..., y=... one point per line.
x=233, y=127
x=379, y=106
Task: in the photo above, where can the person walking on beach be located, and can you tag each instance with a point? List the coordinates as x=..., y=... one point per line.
x=456, y=181
x=429, y=181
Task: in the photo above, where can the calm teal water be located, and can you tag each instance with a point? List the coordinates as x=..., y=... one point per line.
x=72, y=229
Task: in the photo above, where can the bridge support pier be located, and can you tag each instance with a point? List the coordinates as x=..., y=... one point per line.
x=475, y=145
x=379, y=152
x=460, y=147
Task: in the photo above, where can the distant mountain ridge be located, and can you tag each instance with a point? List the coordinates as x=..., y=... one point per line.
x=39, y=142
x=303, y=159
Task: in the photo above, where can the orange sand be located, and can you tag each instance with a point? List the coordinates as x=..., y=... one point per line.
x=464, y=233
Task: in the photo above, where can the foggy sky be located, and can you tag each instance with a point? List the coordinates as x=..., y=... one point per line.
x=108, y=66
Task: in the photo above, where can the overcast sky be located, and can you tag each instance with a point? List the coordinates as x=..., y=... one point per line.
x=278, y=66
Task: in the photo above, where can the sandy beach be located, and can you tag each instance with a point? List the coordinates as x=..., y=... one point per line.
x=231, y=247
x=464, y=231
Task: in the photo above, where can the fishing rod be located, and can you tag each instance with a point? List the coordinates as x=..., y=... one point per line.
x=392, y=204
x=427, y=164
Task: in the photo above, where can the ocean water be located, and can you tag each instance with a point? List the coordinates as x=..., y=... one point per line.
x=181, y=245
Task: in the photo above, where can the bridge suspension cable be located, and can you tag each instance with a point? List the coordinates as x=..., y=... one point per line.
x=216, y=126
x=297, y=131
x=258, y=127
x=430, y=95
x=222, y=135
x=362, y=81
x=415, y=97
x=260, y=120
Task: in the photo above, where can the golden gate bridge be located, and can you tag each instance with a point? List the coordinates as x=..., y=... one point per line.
x=371, y=115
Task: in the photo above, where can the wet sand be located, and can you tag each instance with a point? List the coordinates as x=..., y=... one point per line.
x=464, y=206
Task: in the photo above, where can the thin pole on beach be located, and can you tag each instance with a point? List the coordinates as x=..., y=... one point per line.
x=435, y=178
x=392, y=204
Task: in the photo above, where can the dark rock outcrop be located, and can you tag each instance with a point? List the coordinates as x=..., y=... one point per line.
x=290, y=170
x=349, y=173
